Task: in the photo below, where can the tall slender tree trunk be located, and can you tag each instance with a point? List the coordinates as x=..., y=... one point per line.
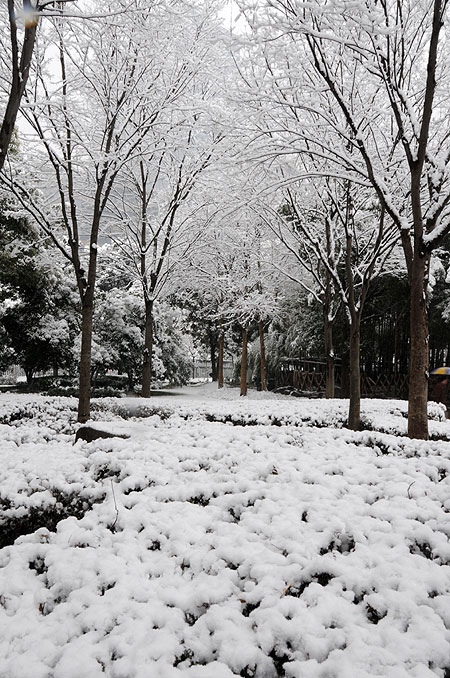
x=244, y=363
x=419, y=352
x=220, y=360
x=94, y=374
x=84, y=398
x=20, y=73
x=262, y=356
x=396, y=370
x=130, y=379
x=327, y=325
x=86, y=290
x=212, y=353
x=329, y=352
x=148, y=348
x=354, y=410
x=417, y=261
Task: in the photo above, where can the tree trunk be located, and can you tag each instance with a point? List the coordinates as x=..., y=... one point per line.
x=84, y=398
x=418, y=357
x=262, y=356
x=21, y=70
x=148, y=349
x=396, y=369
x=95, y=370
x=212, y=353
x=130, y=379
x=329, y=352
x=220, y=361
x=354, y=411
x=327, y=325
x=244, y=363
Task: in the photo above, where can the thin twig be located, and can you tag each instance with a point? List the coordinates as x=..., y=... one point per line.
x=115, y=506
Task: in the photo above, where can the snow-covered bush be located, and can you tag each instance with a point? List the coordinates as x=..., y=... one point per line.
x=262, y=546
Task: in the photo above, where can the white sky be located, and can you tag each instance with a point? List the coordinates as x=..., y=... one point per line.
x=230, y=14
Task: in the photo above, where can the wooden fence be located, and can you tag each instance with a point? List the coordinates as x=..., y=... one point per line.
x=309, y=377
x=385, y=386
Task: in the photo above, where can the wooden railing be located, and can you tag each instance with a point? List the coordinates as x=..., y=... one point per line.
x=313, y=381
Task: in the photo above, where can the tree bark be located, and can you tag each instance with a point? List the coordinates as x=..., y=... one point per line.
x=329, y=352
x=20, y=73
x=148, y=349
x=396, y=368
x=84, y=397
x=212, y=353
x=327, y=324
x=244, y=363
x=419, y=356
x=262, y=356
x=220, y=361
x=418, y=262
x=354, y=410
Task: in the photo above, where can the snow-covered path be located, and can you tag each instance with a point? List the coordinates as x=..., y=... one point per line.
x=203, y=547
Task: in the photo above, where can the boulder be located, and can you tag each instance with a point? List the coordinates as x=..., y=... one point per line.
x=89, y=433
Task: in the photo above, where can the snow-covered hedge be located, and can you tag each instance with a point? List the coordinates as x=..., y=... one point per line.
x=205, y=550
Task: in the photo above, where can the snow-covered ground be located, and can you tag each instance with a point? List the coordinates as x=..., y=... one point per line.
x=225, y=537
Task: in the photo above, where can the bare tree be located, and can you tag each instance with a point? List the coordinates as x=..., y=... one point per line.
x=305, y=225
x=20, y=57
x=233, y=270
x=247, y=284
x=21, y=54
x=86, y=126
x=369, y=98
x=164, y=210
x=342, y=240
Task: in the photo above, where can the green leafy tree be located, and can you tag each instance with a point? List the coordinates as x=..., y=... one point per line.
x=37, y=307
